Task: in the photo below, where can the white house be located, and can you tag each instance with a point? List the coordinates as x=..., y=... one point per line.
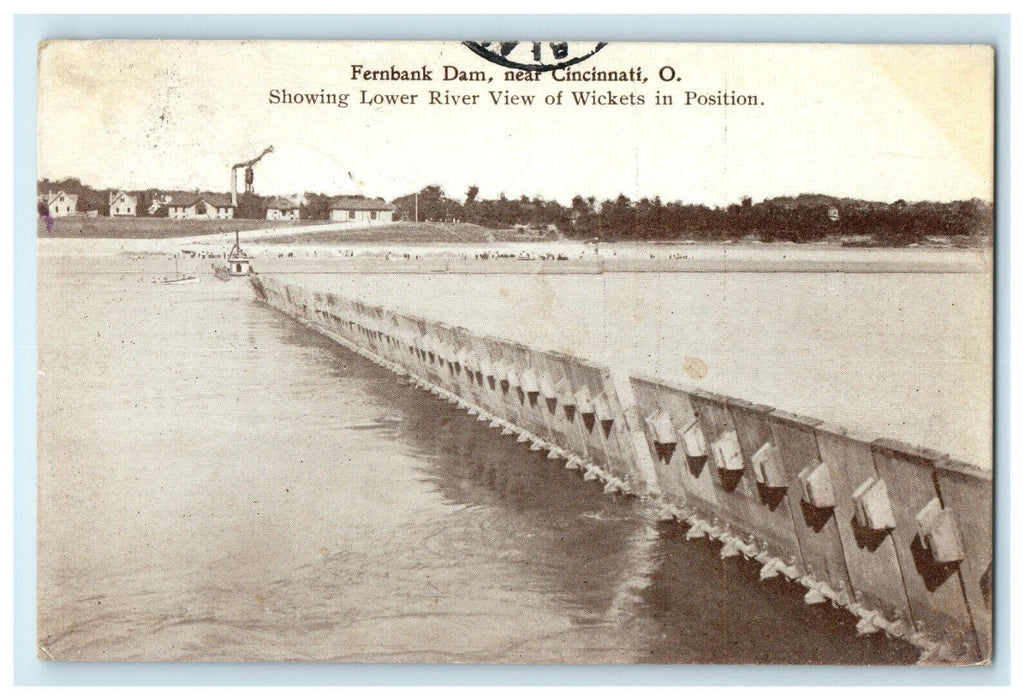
x=361, y=209
x=121, y=204
x=203, y=205
x=282, y=209
x=60, y=204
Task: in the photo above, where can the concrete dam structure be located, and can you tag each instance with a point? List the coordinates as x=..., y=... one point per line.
x=898, y=535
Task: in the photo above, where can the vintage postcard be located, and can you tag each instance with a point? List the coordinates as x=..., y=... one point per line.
x=515, y=352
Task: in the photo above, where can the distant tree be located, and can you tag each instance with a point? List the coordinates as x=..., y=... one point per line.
x=470, y=194
x=648, y=219
x=316, y=206
x=616, y=218
x=431, y=203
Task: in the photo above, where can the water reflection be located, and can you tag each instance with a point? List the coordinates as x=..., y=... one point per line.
x=630, y=588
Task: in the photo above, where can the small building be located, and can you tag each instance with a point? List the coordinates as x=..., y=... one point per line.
x=237, y=261
x=60, y=204
x=833, y=214
x=361, y=210
x=121, y=204
x=201, y=205
x=282, y=209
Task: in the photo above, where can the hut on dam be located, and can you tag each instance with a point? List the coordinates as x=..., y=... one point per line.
x=238, y=262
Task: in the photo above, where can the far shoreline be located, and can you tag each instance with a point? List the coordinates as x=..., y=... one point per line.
x=534, y=257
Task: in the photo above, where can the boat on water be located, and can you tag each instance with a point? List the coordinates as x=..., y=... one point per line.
x=179, y=278
x=185, y=279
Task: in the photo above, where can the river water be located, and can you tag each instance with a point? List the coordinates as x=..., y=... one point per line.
x=218, y=482
x=906, y=356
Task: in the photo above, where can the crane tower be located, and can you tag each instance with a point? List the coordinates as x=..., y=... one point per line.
x=248, y=176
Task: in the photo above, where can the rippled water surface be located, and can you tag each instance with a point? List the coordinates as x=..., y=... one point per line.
x=218, y=482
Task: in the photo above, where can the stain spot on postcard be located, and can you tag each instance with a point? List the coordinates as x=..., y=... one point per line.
x=695, y=367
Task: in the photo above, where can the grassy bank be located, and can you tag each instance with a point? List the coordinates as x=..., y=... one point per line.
x=399, y=232
x=145, y=227
x=410, y=232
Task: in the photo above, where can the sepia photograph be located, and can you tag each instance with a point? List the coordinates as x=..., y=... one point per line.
x=515, y=352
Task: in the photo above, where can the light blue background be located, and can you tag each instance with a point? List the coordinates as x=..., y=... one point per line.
x=31, y=29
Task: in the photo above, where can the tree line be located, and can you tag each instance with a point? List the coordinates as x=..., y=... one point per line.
x=803, y=218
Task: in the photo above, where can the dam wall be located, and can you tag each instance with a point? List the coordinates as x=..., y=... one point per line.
x=899, y=536
x=563, y=406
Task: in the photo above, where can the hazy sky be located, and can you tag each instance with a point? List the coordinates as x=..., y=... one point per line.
x=871, y=122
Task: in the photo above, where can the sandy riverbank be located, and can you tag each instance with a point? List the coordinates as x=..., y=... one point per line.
x=551, y=257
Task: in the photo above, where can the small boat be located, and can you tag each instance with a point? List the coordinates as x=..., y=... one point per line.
x=178, y=279
x=185, y=279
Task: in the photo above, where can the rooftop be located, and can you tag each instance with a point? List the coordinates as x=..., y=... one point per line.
x=280, y=203
x=186, y=199
x=360, y=204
